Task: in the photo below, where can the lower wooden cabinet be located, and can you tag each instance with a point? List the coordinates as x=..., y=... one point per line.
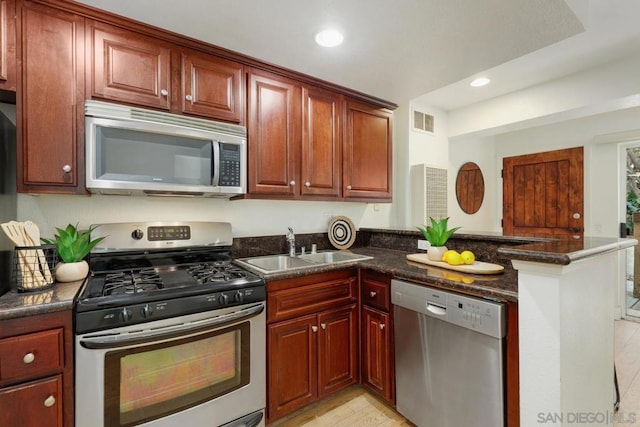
x=377, y=352
x=313, y=351
x=36, y=370
x=36, y=403
x=376, y=336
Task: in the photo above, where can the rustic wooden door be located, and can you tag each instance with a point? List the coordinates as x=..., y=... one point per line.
x=543, y=193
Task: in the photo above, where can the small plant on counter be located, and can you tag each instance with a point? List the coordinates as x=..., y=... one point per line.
x=73, y=246
x=437, y=233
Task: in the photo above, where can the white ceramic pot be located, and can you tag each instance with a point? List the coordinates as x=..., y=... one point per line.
x=434, y=253
x=70, y=272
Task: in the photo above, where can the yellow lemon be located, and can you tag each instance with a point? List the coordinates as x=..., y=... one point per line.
x=452, y=258
x=468, y=257
x=448, y=253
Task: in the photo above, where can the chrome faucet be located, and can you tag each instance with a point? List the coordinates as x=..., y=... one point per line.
x=291, y=239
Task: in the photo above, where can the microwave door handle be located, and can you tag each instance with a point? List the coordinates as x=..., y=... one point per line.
x=215, y=163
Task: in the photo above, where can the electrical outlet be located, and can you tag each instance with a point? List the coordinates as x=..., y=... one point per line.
x=423, y=244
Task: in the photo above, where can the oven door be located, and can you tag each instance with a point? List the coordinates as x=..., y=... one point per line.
x=205, y=369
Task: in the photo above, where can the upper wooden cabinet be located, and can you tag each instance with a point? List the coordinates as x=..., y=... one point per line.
x=299, y=146
x=129, y=67
x=367, y=167
x=212, y=87
x=320, y=172
x=274, y=123
x=50, y=127
x=8, y=80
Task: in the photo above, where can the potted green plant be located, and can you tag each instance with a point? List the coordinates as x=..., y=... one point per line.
x=437, y=234
x=72, y=246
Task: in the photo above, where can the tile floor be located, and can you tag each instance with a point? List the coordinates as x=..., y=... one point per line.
x=356, y=407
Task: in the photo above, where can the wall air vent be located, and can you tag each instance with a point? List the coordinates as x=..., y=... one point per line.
x=422, y=121
x=428, y=193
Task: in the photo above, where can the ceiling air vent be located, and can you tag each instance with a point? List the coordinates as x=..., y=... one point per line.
x=422, y=121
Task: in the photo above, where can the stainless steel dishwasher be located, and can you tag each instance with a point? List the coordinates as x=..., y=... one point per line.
x=449, y=357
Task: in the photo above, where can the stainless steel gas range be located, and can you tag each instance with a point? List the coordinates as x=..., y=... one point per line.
x=169, y=331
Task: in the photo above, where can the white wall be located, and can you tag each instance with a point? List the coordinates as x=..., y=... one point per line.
x=482, y=151
x=248, y=217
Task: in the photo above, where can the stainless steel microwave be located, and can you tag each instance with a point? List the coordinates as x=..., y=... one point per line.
x=135, y=151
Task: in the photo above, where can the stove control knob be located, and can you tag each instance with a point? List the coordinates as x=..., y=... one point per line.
x=238, y=296
x=146, y=311
x=125, y=315
x=223, y=299
x=137, y=234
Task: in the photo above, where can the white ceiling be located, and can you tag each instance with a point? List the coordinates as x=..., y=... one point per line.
x=405, y=49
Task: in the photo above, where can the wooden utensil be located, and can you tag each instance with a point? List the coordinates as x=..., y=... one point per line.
x=9, y=230
x=30, y=256
x=15, y=231
x=32, y=231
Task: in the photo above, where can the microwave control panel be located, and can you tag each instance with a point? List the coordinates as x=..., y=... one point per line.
x=230, y=165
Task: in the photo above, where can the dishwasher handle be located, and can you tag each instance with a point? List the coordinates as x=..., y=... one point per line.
x=436, y=309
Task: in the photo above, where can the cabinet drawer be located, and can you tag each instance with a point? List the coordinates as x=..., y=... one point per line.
x=29, y=355
x=33, y=404
x=375, y=294
x=293, y=302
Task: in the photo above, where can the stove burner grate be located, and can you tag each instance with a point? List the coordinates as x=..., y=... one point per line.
x=131, y=282
x=220, y=271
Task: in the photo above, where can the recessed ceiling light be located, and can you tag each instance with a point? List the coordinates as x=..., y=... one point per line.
x=480, y=81
x=329, y=38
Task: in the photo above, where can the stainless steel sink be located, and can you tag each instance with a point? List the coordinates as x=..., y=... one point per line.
x=271, y=263
x=331, y=257
x=279, y=263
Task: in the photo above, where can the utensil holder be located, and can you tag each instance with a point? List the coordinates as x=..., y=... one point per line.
x=27, y=273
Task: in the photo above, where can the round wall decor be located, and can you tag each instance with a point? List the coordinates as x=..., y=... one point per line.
x=342, y=232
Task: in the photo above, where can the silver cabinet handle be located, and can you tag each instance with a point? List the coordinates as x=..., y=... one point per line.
x=373, y=294
x=164, y=92
x=29, y=358
x=314, y=328
x=307, y=184
x=189, y=98
x=324, y=325
x=292, y=183
x=66, y=168
x=381, y=326
x=348, y=187
x=49, y=401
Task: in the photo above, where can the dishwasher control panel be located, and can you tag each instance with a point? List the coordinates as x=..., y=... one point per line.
x=486, y=317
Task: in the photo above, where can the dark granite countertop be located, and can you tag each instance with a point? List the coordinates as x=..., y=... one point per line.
x=394, y=262
x=58, y=298
x=565, y=251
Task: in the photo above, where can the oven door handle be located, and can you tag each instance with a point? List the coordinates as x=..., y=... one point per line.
x=115, y=340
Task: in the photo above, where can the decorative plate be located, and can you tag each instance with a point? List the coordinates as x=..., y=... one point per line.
x=342, y=232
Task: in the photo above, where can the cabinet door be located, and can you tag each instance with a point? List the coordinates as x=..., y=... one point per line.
x=321, y=143
x=292, y=376
x=50, y=102
x=212, y=87
x=274, y=135
x=337, y=349
x=376, y=352
x=8, y=45
x=129, y=67
x=367, y=153
x=33, y=404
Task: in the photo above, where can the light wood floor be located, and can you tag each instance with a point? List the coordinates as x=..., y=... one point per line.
x=627, y=361
x=356, y=407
